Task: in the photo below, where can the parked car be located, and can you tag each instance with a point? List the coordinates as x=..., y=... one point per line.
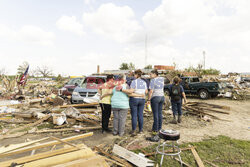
x=192, y=85
x=69, y=87
x=87, y=89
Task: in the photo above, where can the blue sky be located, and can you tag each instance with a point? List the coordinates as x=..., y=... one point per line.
x=74, y=36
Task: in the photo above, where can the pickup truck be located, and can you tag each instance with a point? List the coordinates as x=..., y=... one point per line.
x=193, y=86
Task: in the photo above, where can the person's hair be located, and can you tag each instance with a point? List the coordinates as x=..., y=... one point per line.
x=121, y=77
x=155, y=72
x=138, y=72
x=176, y=80
x=110, y=76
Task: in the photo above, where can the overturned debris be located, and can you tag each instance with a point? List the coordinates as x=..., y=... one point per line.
x=205, y=110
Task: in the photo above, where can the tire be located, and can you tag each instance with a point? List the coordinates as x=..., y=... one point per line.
x=203, y=94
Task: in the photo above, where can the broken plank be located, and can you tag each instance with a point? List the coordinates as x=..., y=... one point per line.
x=94, y=161
x=30, y=125
x=132, y=157
x=46, y=144
x=13, y=147
x=114, y=162
x=210, y=163
x=197, y=157
x=184, y=163
x=67, y=129
x=124, y=162
x=12, y=135
x=80, y=105
x=65, y=142
x=62, y=158
x=27, y=159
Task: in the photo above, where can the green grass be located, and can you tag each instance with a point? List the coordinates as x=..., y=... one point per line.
x=221, y=151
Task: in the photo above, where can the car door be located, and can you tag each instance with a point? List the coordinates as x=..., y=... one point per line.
x=185, y=84
x=193, y=83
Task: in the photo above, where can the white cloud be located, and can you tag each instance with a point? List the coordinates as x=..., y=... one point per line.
x=28, y=33
x=71, y=24
x=113, y=21
x=219, y=27
x=87, y=2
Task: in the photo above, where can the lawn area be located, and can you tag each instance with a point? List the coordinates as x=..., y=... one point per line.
x=221, y=151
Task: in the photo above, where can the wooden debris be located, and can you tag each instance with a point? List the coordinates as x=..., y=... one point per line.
x=210, y=163
x=38, y=156
x=197, y=158
x=80, y=105
x=114, y=162
x=62, y=158
x=184, y=163
x=13, y=135
x=132, y=157
x=114, y=157
x=67, y=129
x=65, y=142
x=202, y=109
x=29, y=125
x=94, y=161
x=52, y=143
x=14, y=147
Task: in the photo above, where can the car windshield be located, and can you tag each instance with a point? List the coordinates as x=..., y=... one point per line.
x=194, y=79
x=74, y=81
x=92, y=82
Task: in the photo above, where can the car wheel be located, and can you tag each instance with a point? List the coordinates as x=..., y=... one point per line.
x=203, y=94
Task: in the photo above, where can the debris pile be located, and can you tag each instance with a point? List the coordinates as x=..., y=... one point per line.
x=204, y=110
x=35, y=117
x=233, y=87
x=62, y=154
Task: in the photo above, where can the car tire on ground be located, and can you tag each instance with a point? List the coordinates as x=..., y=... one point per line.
x=203, y=94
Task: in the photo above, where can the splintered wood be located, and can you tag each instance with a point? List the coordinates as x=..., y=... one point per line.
x=202, y=109
x=71, y=156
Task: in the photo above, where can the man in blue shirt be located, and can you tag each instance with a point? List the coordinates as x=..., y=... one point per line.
x=177, y=94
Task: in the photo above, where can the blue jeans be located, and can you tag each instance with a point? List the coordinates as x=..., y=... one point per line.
x=176, y=107
x=156, y=104
x=137, y=107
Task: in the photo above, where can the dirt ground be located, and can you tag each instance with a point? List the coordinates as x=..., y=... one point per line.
x=192, y=128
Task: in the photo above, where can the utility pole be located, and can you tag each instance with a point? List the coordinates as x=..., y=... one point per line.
x=204, y=59
x=146, y=49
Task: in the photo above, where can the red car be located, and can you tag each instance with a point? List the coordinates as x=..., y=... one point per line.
x=70, y=86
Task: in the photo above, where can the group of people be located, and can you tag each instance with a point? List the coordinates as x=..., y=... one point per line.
x=120, y=95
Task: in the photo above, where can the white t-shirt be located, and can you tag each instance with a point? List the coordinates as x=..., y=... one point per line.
x=140, y=86
x=157, y=85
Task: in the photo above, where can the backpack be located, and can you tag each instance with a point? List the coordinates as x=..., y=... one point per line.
x=176, y=93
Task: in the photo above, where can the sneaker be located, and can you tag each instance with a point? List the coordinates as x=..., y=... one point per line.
x=108, y=130
x=155, y=138
x=133, y=133
x=141, y=132
x=154, y=133
x=173, y=121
